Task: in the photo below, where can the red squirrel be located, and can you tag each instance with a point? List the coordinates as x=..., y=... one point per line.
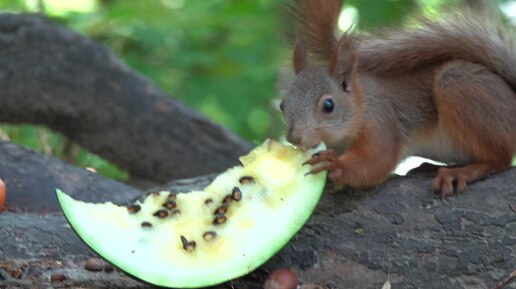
x=443, y=89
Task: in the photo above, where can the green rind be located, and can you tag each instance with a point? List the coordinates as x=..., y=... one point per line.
x=315, y=185
x=62, y=198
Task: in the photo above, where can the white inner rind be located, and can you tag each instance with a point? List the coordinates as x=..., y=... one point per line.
x=271, y=211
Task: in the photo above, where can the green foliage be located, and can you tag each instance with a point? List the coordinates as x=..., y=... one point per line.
x=220, y=57
x=377, y=13
x=11, y=5
x=43, y=140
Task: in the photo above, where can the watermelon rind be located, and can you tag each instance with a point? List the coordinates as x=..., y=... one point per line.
x=271, y=212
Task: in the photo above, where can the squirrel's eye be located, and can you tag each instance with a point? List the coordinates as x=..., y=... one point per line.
x=327, y=105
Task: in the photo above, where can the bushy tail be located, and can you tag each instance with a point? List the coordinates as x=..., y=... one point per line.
x=469, y=35
x=314, y=21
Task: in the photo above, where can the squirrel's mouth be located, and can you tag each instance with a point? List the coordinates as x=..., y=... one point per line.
x=304, y=147
x=309, y=146
x=314, y=146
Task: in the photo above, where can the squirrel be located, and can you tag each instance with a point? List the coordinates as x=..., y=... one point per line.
x=443, y=89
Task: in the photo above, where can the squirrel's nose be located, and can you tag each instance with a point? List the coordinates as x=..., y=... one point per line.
x=294, y=136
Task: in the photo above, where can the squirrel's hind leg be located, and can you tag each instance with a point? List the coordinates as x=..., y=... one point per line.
x=460, y=176
x=477, y=110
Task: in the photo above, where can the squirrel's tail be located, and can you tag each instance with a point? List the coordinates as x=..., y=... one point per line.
x=314, y=21
x=468, y=35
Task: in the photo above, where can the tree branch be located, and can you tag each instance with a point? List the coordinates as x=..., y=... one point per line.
x=57, y=78
x=31, y=180
x=352, y=241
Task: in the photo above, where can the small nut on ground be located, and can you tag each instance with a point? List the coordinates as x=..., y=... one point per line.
x=94, y=264
x=108, y=268
x=57, y=277
x=2, y=194
x=281, y=279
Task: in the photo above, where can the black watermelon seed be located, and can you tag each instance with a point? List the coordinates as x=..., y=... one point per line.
x=236, y=194
x=161, y=214
x=146, y=225
x=191, y=246
x=170, y=204
x=133, y=209
x=155, y=193
x=208, y=236
x=227, y=199
x=175, y=212
x=188, y=246
x=184, y=241
x=221, y=210
x=208, y=201
x=171, y=197
x=219, y=219
x=246, y=180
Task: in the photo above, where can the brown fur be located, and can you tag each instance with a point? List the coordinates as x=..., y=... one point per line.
x=475, y=36
x=443, y=89
x=316, y=21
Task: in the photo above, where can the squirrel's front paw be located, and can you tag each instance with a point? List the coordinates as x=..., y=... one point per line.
x=326, y=161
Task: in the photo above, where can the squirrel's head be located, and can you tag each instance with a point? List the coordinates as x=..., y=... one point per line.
x=319, y=107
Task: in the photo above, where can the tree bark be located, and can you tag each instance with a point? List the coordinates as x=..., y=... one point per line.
x=57, y=78
x=353, y=240
x=31, y=180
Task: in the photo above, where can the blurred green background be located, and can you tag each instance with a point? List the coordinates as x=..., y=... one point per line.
x=221, y=57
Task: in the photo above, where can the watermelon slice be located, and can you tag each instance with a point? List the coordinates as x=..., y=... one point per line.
x=202, y=238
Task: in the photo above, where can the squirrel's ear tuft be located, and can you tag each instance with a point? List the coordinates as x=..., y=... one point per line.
x=342, y=60
x=300, y=58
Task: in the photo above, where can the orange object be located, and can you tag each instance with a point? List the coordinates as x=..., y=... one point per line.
x=2, y=193
x=281, y=279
